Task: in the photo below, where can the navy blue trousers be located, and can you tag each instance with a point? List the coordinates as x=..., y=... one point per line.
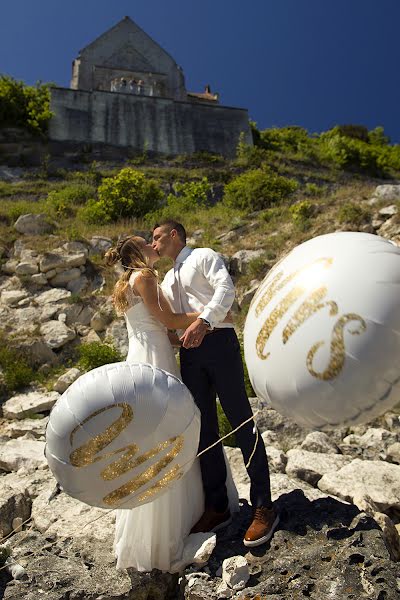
x=216, y=368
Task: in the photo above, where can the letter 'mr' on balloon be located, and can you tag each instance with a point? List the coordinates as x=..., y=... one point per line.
x=88, y=453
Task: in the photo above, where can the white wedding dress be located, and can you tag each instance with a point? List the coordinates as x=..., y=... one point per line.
x=156, y=535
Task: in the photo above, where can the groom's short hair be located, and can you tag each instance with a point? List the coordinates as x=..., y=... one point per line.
x=172, y=224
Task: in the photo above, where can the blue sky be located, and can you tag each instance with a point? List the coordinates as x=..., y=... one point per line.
x=313, y=63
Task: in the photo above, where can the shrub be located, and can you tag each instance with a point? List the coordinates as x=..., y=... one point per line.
x=24, y=106
x=353, y=214
x=16, y=370
x=301, y=212
x=349, y=153
x=61, y=203
x=188, y=197
x=96, y=354
x=257, y=189
x=285, y=138
x=127, y=195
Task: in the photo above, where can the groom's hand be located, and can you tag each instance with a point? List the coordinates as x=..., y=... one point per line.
x=194, y=334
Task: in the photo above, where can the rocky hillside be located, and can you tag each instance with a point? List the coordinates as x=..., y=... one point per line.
x=339, y=493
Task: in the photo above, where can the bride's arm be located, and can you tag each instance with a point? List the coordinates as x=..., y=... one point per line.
x=145, y=284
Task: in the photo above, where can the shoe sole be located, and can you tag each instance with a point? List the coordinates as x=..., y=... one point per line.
x=222, y=525
x=265, y=538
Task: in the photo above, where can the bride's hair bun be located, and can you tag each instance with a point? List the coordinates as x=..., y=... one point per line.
x=112, y=256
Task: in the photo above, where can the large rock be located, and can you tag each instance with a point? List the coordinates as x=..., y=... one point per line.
x=31, y=224
x=118, y=335
x=52, y=296
x=65, y=277
x=378, y=479
x=27, y=267
x=66, y=517
x=100, y=245
x=13, y=505
x=240, y=260
x=19, y=428
x=22, y=453
x=318, y=441
x=311, y=466
x=235, y=572
x=65, y=380
x=387, y=192
x=22, y=405
x=61, y=260
x=56, y=334
x=12, y=297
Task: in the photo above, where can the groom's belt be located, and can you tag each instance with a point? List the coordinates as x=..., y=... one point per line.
x=216, y=329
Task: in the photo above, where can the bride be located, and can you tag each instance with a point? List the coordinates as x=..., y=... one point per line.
x=156, y=535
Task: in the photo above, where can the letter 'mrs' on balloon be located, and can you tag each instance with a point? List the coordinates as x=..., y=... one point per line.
x=337, y=347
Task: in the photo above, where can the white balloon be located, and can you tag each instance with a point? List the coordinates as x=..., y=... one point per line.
x=322, y=335
x=122, y=434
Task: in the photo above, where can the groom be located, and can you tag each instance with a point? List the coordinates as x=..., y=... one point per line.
x=211, y=364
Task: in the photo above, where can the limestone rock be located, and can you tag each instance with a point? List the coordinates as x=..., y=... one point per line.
x=39, y=279
x=100, y=320
x=240, y=260
x=118, y=335
x=22, y=452
x=311, y=466
x=27, y=268
x=31, y=224
x=52, y=296
x=378, y=479
x=318, y=441
x=76, y=248
x=100, y=245
x=77, y=286
x=12, y=297
x=235, y=572
x=65, y=517
x=21, y=405
x=19, y=428
x=388, y=211
x=65, y=277
x=65, y=380
x=13, y=504
x=393, y=453
x=56, y=334
x=276, y=459
x=245, y=298
x=61, y=260
x=10, y=266
x=374, y=437
x=387, y=192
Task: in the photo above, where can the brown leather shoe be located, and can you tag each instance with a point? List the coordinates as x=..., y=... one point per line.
x=262, y=527
x=211, y=520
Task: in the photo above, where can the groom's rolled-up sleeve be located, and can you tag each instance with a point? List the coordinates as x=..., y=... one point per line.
x=214, y=270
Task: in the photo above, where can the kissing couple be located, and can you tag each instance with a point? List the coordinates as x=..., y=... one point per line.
x=190, y=309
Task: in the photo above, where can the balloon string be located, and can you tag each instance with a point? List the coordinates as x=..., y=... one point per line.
x=108, y=511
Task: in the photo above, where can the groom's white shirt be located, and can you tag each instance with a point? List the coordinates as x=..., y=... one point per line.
x=200, y=282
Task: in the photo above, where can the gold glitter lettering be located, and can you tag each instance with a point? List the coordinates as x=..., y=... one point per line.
x=173, y=474
x=276, y=285
x=310, y=306
x=337, y=350
x=146, y=476
x=273, y=319
x=86, y=454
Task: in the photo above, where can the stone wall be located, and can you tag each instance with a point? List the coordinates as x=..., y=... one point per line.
x=160, y=125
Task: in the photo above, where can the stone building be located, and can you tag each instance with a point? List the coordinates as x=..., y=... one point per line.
x=128, y=92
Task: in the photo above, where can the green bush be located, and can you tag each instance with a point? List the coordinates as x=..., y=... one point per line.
x=24, y=105
x=258, y=189
x=127, y=195
x=285, y=139
x=350, y=153
x=62, y=203
x=188, y=197
x=301, y=212
x=353, y=214
x=96, y=354
x=16, y=370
